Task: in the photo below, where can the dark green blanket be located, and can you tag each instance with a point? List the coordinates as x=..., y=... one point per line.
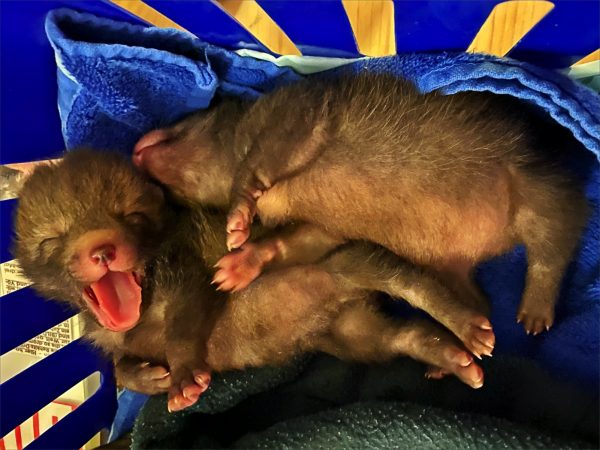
x=321, y=402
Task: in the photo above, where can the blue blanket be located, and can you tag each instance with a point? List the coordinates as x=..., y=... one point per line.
x=117, y=81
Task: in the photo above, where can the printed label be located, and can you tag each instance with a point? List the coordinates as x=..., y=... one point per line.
x=11, y=277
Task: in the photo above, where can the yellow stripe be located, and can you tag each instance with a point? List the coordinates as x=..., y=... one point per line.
x=373, y=25
x=255, y=19
x=147, y=13
x=507, y=24
x=594, y=56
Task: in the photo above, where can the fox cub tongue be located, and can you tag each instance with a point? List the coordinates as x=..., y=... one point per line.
x=119, y=298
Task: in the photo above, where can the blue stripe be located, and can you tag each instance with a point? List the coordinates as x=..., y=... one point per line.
x=24, y=315
x=209, y=22
x=317, y=28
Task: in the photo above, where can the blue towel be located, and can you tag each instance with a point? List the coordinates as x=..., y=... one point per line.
x=129, y=404
x=118, y=81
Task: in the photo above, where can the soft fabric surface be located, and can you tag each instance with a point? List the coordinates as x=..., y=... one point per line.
x=325, y=403
x=117, y=81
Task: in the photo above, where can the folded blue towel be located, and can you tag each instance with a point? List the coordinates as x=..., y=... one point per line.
x=117, y=81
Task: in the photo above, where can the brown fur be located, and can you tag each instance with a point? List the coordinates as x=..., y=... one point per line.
x=185, y=325
x=444, y=181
